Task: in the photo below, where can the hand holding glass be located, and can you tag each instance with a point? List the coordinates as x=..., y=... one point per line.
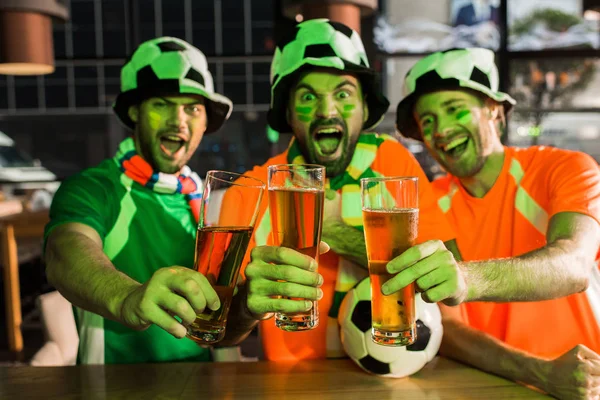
x=221, y=243
x=296, y=195
x=390, y=219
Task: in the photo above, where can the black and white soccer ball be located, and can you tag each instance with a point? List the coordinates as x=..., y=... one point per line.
x=394, y=362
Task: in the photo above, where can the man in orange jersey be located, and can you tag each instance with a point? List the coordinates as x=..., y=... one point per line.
x=324, y=92
x=532, y=213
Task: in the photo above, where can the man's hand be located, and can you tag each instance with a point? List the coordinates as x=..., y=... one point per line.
x=574, y=375
x=172, y=291
x=435, y=271
x=279, y=271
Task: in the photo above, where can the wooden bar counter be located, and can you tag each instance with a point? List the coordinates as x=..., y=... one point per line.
x=313, y=380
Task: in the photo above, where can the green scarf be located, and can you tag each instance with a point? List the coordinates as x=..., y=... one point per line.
x=348, y=184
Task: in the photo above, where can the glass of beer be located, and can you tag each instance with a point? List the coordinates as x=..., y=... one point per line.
x=224, y=232
x=296, y=195
x=390, y=219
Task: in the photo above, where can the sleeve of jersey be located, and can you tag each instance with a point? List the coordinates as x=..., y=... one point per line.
x=396, y=160
x=575, y=186
x=80, y=199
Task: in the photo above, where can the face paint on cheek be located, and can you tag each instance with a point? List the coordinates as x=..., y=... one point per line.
x=154, y=120
x=464, y=117
x=303, y=113
x=348, y=111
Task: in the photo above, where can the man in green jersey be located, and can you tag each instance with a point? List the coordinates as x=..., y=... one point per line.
x=120, y=242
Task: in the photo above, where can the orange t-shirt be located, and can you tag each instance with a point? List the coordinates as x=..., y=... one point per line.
x=510, y=220
x=392, y=159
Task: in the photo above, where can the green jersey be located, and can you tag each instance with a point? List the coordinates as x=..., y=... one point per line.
x=141, y=231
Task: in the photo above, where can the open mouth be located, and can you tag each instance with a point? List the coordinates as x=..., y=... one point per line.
x=172, y=144
x=456, y=147
x=328, y=139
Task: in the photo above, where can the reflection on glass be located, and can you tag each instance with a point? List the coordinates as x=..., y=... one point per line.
x=410, y=27
x=551, y=24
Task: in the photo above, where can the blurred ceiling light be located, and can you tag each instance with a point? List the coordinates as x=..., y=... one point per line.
x=26, y=46
x=591, y=15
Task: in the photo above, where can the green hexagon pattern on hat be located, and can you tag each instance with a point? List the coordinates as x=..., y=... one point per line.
x=470, y=68
x=326, y=44
x=169, y=66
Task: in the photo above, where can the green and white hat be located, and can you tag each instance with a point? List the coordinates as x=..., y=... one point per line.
x=471, y=68
x=167, y=66
x=326, y=44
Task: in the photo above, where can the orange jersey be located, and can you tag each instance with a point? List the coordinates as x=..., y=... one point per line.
x=510, y=220
x=392, y=159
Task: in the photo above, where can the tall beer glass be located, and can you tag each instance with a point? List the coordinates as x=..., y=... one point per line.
x=296, y=194
x=390, y=219
x=221, y=243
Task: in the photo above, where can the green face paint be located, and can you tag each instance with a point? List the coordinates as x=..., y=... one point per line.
x=154, y=120
x=348, y=110
x=332, y=102
x=304, y=113
x=304, y=110
x=464, y=117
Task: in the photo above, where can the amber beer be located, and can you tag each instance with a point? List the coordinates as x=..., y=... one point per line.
x=388, y=234
x=219, y=255
x=296, y=219
x=221, y=243
x=390, y=220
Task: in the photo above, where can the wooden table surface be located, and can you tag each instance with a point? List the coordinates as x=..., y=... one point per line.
x=315, y=380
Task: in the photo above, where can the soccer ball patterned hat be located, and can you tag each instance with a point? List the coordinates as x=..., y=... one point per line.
x=471, y=68
x=325, y=44
x=168, y=66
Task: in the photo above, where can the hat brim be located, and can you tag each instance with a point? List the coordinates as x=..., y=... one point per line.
x=218, y=107
x=377, y=103
x=405, y=121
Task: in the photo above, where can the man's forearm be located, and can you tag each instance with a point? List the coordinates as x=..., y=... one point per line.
x=482, y=351
x=553, y=271
x=346, y=241
x=82, y=273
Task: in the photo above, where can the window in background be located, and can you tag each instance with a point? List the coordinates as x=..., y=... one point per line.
x=173, y=14
x=3, y=93
x=550, y=24
x=412, y=27
x=112, y=84
x=86, y=86
x=57, y=88
x=26, y=94
x=556, y=83
x=574, y=131
x=83, y=27
x=114, y=38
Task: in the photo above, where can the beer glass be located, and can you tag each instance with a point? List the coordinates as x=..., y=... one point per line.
x=224, y=231
x=296, y=195
x=390, y=220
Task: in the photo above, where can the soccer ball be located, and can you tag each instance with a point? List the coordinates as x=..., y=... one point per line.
x=394, y=362
x=167, y=58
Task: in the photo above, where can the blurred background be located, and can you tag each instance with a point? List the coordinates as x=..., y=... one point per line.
x=57, y=119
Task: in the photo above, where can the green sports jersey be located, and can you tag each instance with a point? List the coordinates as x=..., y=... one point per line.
x=141, y=231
